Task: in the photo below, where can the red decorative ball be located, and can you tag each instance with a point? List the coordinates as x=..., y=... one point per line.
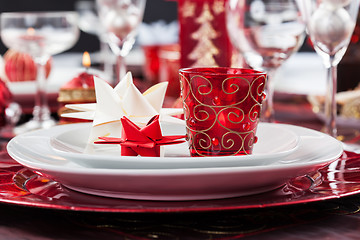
x=21, y=66
x=5, y=100
x=83, y=80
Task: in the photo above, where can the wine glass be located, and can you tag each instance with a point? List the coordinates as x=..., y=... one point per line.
x=330, y=24
x=120, y=18
x=40, y=34
x=266, y=33
x=89, y=23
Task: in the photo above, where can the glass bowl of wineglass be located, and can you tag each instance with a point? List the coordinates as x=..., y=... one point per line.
x=89, y=22
x=266, y=33
x=120, y=20
x=330, y=25
x=40, y=34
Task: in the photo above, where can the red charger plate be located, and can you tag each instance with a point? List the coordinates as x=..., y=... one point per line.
x=20, y=186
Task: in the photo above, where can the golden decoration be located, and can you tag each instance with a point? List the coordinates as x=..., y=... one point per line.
x=188, y=9
x=77, y=95
x=205, y=15
x=218, y=6
x=205, y=50
x=351, y=109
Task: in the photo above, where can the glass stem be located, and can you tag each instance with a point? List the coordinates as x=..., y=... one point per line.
x=106, y=56
x=267, y=112
x=41, y=110
x=330, y=101
x=120, y=68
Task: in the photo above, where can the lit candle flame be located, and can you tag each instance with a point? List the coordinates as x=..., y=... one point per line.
x=86, y=61
x=30, y=31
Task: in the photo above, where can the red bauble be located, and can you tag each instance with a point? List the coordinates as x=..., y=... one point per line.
x=21, y=66
x=5, y=100
x=83, y=80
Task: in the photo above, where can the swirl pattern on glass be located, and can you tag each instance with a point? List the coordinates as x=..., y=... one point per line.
x=221, y=111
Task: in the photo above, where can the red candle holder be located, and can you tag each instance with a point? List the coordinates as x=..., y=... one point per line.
x=221, y=109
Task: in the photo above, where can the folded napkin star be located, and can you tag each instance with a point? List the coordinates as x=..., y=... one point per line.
x=123, y=100
x=144, y=141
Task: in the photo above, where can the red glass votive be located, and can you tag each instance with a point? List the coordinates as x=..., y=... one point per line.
x=221, y=109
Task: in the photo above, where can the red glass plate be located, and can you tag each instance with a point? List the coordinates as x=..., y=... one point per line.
x=20, y=186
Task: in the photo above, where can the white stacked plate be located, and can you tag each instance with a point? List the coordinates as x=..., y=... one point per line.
x=281, y=153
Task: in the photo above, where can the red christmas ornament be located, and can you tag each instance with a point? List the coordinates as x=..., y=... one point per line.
x=144, y=141
x=21, y=66
x=5, y=100
x=83, y=80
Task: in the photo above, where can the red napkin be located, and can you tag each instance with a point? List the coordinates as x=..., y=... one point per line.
x=144, y=141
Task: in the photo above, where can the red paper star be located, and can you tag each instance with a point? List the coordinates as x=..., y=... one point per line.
x=144, y=141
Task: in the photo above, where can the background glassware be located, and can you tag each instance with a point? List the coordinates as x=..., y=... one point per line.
x=330, y=24
x=89, y=22
x=120, y=20
x=267, y=33
x=40, y=34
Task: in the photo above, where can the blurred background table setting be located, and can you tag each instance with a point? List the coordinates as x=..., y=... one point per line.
x=115, y=117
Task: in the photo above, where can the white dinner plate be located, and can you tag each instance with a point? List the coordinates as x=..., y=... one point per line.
x=315, y=150
x=274, y=143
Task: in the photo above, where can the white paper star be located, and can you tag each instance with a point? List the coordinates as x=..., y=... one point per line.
x=123, y=100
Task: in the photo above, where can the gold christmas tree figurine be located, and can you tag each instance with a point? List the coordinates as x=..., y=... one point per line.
x=204, y=51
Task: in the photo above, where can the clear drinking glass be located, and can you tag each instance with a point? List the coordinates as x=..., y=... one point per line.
x=330, y=24
x=40, y=34
x=89, y=22
x=267, y=33
x=120, y=19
